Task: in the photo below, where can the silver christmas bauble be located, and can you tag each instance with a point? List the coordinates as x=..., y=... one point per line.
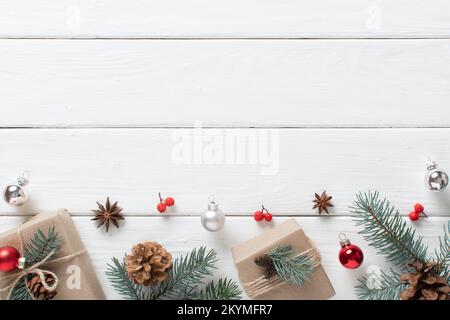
x=16, y=194
x=436, y=180
x=213, y=219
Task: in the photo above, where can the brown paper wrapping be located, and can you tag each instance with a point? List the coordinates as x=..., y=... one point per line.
x=88, y=287
x=288, y=233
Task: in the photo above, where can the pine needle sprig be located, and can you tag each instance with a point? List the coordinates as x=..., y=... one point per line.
x=20, y=292
x=187, y=271
x=380, y=287
x=41, y=245
x=120, y=281
x=224, y=289
x=443, y=255
x=385, y=229
x=290, y=266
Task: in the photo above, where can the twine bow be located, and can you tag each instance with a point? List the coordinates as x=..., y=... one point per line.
x=35, y=269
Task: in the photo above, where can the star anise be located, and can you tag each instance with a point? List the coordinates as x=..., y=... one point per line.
x=108, y=213
x=266, y=263
x=322, y=202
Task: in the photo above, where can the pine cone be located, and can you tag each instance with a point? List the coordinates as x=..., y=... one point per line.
x=148, y=263
x=266, y=263
x=38, y=290
x=424, y=284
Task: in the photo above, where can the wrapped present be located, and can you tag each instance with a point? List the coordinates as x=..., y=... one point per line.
x=260, y=279
x=68, y=274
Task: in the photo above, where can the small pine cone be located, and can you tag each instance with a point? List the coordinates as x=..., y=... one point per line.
x=38, y=290
x=148, y=263
x=266, y=263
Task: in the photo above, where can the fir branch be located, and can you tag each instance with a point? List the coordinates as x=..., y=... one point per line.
x=382, y=287
x=385, y=230
x=187, y=271
x=290, y=266
x=41, y=245
x=224, y=289
x=37, y=249
x=20, y=291
x=443, y=255
x=120, y=281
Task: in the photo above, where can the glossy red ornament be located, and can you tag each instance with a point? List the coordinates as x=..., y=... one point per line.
x=9, y=259
x=350, y=255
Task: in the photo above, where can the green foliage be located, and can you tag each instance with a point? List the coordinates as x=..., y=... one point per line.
x=224, y=289
x=290, y=266
x=20, y=291
x=380, y=287
x=118, y=277
x=41, y=245
x=386, y=230
x=443, y=255
x=185, y=276
x=187, y=271
x=38, y=248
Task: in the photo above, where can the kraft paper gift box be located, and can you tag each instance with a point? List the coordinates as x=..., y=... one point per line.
x=318, y=286
x=76, y=276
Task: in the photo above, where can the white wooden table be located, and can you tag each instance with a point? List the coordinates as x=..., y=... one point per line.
x=255, y=101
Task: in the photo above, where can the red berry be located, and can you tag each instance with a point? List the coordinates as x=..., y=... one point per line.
x=418, y=208
x=258, y=215
x=268, y=216
x=161, y=207
x=169, y=201
x=413, y=216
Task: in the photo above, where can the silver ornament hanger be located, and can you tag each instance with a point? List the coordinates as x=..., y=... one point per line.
x=17, y=194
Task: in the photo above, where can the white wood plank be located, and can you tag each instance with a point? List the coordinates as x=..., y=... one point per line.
x=181, y=234
x=225, y=83
x=281, y=168
x=231, y=18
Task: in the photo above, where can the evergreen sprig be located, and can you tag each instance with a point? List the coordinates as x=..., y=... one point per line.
x=187, y=271
x=41, y=245
x=184, y=279
x=224, y=289
x=385, y=229
x=443, y=254
x=380, y=287
x=118, y=277
x=290, y=266
x=35, y=250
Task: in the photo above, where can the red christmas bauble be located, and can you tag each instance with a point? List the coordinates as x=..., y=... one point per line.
x=9, y=259
x=350, y=255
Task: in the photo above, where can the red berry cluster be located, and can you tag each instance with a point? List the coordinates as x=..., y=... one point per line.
x=164, y=203
x=262, y=215
x=418, y=209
